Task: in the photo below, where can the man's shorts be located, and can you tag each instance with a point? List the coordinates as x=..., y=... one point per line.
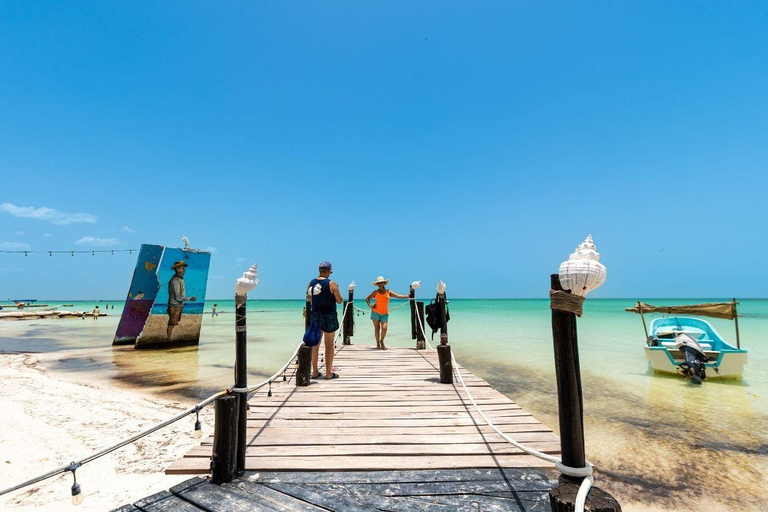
x=379, y=317
x=174, y=314
x=329, y=322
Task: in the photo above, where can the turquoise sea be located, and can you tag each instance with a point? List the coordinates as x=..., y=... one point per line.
x=654, y=439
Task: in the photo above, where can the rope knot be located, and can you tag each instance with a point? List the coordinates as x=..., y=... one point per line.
x=584, y=472
x=560, y=300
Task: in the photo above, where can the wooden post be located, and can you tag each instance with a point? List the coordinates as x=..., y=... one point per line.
x=444, y=349
x=569, y=396
x=642, y=317
x=736, y=319
x=571, y=412
x=420, y=335
x=241, y=376
x=348, y=321
x=304, y=369
x=224, y=463
x=414, y=325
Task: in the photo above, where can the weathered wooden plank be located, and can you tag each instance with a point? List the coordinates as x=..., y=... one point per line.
x=384, y=449
x=340, y=433
x=126, y=508
x=164, y=502
x=215, y=498
x=198, y=465
x=524, y=480
x=268, y=496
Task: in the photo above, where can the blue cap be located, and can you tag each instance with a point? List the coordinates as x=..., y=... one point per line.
x=326, y=264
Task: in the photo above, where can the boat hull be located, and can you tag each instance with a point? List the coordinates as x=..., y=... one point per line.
x=726, y=364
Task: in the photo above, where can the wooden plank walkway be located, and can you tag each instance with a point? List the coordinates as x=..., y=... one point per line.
x=489, y=490
x=388, y=411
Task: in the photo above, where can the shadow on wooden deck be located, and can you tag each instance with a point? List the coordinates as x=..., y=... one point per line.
x=433, y=490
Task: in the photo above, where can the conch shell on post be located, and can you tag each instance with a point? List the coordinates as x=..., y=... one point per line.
x=248, y=282
x=582, y=272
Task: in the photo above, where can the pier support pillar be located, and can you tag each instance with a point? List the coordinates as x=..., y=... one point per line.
x=563, y=497
x=241, y=376
x=224, y=462
x=348, y=322
x=446, y=366
x=421, y=340
x=304, y=369
x=444, y=350
x=571, y=414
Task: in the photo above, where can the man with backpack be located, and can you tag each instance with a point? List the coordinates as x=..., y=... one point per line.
x=324, y=295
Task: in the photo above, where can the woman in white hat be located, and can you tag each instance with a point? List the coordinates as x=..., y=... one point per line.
x=380, y=309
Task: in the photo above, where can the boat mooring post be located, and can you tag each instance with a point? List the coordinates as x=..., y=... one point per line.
x=224, y=463
x=242, y=286
x=417, y=316
x=736, y=319
x=580, y=273
x=304, y=356
x=348, y=321
x=444, y=349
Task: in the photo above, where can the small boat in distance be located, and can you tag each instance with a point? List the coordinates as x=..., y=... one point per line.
x=690, y=346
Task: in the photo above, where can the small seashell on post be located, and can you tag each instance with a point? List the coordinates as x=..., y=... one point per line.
x=582, y=272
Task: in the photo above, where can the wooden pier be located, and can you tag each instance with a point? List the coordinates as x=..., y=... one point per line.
x=387, y=411
x=386, y=435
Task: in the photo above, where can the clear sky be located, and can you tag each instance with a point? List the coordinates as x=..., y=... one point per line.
x=474, y=142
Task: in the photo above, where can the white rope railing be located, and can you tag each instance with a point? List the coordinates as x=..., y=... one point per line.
x=343, y=316
x=251, y=389
x=391, y=310
x=585, y=472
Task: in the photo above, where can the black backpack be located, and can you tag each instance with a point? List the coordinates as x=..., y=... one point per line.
x=432, y=311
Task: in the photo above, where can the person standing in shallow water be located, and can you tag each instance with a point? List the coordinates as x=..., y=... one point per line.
x=324, y=294
x=380, y=309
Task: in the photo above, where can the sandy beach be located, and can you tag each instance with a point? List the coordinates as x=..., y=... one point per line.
x=51, y=419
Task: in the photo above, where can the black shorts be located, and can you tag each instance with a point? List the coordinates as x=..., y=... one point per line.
x=329, y=322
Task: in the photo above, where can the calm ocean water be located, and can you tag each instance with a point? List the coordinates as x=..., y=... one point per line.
x=656, y=437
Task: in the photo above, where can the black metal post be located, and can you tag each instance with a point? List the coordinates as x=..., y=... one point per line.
x=241, y=376
x=444, y=349
x=571, y=414
x=414, y=325
x=224, y=463
x=421, y=339
x=568, y=374
x=349, y=318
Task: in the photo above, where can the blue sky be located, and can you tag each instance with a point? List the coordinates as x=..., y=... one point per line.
x=477, y=143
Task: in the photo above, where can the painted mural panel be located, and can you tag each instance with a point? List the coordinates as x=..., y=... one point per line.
x=177, y=311
x=166, y=298
x=141, y=295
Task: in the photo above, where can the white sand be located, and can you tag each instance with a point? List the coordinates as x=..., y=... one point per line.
x=47, y=422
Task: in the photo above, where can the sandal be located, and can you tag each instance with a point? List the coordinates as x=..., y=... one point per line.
x=316, y=376
x=333, y=376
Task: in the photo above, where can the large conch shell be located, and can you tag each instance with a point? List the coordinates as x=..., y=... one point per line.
x=582, y=272
x=248, y=282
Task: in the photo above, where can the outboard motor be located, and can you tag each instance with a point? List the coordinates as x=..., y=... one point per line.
x=693, y=367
